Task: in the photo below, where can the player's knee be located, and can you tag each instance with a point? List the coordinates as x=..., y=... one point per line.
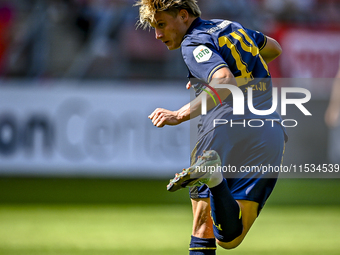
x=231, y=241
x=230, y=237
x=230, y=245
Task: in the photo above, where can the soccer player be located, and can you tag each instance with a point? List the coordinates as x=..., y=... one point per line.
x=221, y=52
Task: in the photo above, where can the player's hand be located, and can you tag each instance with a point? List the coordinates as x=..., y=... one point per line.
x=188, y=85
x=161, y=117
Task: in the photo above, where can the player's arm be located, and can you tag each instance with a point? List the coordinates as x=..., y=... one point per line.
x=271, y=50
x=161, y=117
x=193, y=109
x=333, y=110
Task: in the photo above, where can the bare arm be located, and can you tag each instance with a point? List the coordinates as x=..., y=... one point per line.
x=333, y=110
x=271, y=51
x=161, y=117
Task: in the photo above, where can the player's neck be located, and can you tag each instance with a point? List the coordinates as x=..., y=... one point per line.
x=191, y=21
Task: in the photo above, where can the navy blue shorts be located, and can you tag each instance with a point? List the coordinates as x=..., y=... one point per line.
x=242, y=149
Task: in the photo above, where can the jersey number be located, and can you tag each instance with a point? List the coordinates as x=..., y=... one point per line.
x=247, y=45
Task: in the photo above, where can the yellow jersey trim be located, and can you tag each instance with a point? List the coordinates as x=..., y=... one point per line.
x=214, y=70
x=264, y=43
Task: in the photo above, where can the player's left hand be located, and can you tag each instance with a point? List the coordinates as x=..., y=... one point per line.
x=161, y=117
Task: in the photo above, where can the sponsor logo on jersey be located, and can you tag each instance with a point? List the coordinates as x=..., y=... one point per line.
x=202, y=54
x=220, y=26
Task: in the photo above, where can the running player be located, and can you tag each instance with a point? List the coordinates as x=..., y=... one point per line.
x=220, y=52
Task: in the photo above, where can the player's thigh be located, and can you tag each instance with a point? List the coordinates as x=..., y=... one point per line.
x=249, y=211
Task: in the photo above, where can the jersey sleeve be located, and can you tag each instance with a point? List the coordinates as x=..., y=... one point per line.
x=260, y=39
x=202, y=58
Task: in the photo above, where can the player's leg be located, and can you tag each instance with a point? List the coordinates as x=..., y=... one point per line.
x=216, y=217
x=230, y=219
x=264, y=147
x=203, y=223
x=249, y=214
x=202, y=240
x=244, y=194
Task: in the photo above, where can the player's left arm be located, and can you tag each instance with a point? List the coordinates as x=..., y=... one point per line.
x=161, y=117
x=333, y=110
x=271, y=50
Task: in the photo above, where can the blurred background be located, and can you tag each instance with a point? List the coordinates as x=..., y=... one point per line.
x=77, y=82
x=84, y=39
x=74, y=74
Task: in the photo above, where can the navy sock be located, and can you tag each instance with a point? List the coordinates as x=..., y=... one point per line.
x=225, y=213
x=202, y=246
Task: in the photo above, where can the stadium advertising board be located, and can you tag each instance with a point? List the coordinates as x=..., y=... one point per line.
x=68, y=129
x=79, y=129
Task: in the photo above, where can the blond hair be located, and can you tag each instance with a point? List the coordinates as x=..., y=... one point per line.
x=148, y=9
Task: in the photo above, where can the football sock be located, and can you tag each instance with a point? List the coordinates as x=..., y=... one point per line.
x=202, y=246
x=225, y=212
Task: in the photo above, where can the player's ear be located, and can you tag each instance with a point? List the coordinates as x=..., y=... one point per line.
x=184, y=15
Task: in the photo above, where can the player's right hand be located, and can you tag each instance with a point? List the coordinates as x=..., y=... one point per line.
x=161, y=117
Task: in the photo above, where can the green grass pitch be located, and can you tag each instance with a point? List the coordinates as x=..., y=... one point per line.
x=157, y=229
x=62, y=217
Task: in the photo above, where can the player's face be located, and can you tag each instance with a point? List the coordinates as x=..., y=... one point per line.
x=169, y=29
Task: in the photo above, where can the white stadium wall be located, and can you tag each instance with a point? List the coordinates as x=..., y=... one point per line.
x=96, y=129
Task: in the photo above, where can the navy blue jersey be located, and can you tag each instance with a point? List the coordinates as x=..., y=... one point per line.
x=212, y=44
x=207, y=47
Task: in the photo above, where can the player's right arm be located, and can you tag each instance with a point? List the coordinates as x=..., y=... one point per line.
x=161, y=117
x=193, y=109
x=271, y=50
